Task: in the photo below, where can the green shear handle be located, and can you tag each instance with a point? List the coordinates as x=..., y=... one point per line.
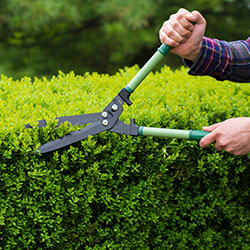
x=152, y=62
x=135, y=82
x=195, y=135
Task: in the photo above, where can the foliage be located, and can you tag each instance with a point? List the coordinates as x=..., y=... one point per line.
x=120, y=192
x=40, y=37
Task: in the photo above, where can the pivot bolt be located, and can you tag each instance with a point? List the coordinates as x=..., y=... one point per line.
x=114, y=107
x=105, y=122
x=104, y=114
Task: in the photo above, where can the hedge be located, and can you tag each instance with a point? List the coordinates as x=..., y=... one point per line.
x=113, y=191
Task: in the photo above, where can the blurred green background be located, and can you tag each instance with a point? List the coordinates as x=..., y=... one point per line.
x=41, y=37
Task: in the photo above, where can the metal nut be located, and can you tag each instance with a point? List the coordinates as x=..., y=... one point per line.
x=104, y=114
x=105, y=122
x=115, y=107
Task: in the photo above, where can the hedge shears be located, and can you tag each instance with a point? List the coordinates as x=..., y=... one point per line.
x=108, y=118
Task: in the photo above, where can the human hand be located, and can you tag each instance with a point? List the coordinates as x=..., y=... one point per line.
x=184, y=32
x=232, y=135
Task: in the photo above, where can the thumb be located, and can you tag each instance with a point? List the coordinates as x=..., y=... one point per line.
x=195, y=17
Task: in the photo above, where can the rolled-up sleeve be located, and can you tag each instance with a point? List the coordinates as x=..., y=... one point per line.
x=223, y=60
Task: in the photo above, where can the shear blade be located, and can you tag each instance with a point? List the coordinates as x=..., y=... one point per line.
x=75, y=120
x=79, y=119
x=72, y=137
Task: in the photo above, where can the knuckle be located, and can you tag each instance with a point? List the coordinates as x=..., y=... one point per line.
x=165, y=23
x=182, y=10
x=234, y=152
x=172, y=17
x=188, y=34
x=222, y=143
x=165, y=26
x=180, y=16
x=187, y=26
x=238, y=153
x=230, y=151
x=203, y=143
x=184, y=40
x=162, y=38
x=175, y=25
x=169, y=32
x=172, y=43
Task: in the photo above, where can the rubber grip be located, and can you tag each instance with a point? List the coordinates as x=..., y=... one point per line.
x=197, y=135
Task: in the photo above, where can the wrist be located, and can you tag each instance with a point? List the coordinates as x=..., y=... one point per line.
x=195, y=53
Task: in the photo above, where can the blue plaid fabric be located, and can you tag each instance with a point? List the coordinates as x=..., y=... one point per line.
x=223, y=60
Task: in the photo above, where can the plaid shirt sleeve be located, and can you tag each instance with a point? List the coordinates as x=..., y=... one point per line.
x=223, y=60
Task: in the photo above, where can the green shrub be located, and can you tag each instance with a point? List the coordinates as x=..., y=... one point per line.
x=112, y=191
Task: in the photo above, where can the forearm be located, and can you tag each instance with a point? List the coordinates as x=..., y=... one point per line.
x=223, y=60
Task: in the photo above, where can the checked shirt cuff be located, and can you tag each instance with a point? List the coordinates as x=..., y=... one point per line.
x=222, y=60
x=213, y=60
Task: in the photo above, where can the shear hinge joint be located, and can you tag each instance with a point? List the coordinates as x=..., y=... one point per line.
x=133, y=128
x=124, y=94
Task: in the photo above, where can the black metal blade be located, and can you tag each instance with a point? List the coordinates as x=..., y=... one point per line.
x=72, y=137
x=75, y=120
x=79, y=119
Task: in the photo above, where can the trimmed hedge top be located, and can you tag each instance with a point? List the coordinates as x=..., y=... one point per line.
x=194, y=99
x=121, y=192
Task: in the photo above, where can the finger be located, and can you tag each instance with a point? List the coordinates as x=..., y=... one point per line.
x=179, y=28
x=195, y=17
x=184, y=22
x=180, y=17
x=170, y=42
x=232, y=150
x=183, y=12
x=171, y=32
x=167, y=40
x=208, y=139
x=170, y=36
x=212, y=127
